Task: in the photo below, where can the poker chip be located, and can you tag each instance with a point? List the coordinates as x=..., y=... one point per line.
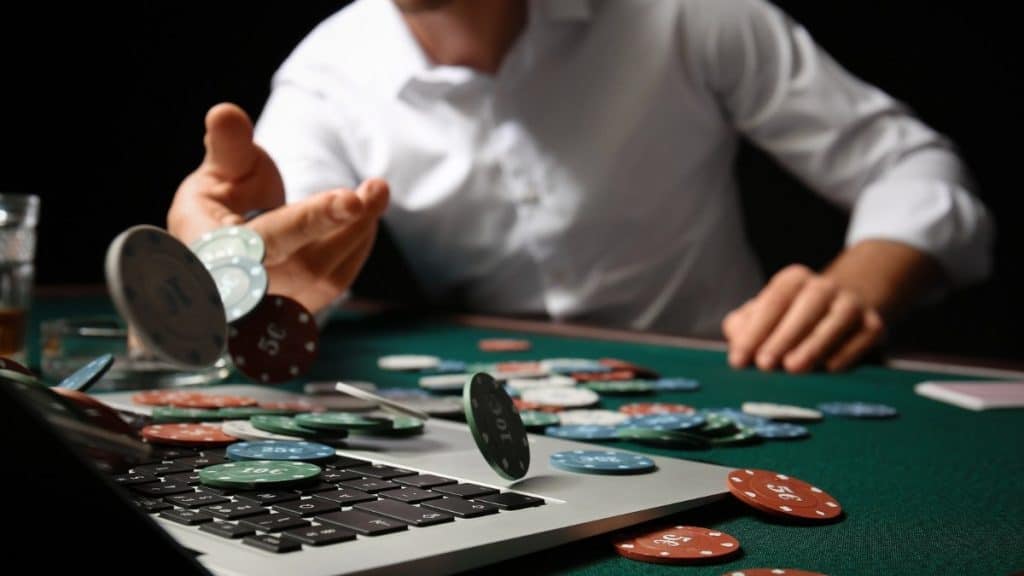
x=169, y=414
x=858, y=410
x=275, y=342
x=263, y=409
x=583, y=432
x=741, y=436
x=407, y=362
x=537, y=421
x=676, y=385
x=20, y=377
x=202, y=400
x=781, y=431
x=167, y=296
x=496, y=426
x=592, y=417
x=507, y=370
x=503, y=345
x=782, y=495
x=8, y=364
x=298, y=451
x=738, y=417
x=602, y=462
x=570, y=365
x=400, y=425
x=780, y=411
x=771, y=572
x=669, y=421
x=258, y=474
x=552, y=381
x=287, y=426
x=338, y=421
x=620, y=387
x=640, y=371
x=444, y=382
x=89, y=374
x=610, y=375
x=242, y=284
x=244, y=430
x=562, y=397
x=385, y=403
x=644, y=408
x=229, y=242
x=187, y=435
x=96, y=411
x=329, y=388
x=664, y=438
x=162, y=397
x=678, y=545
x=717, y=425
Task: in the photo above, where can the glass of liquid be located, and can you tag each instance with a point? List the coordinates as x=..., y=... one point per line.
x=19, y=214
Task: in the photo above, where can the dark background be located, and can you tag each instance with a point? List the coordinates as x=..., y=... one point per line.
x=104, y=106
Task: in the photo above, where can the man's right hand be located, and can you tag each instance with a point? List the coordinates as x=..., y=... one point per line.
x=315, y=247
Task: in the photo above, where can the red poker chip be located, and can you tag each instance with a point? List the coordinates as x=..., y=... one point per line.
x=771, y=572
x=610, y=376
x=187, y=435
x=522, y=405
x=782, y=495
x=212, y=401
x=517, y=367
x=276, y=342
x=163, y=397
x=98, y=413
x=639, y=371
x=678, y=545
x=645, y=408
x=504, y=345
x=8, y=364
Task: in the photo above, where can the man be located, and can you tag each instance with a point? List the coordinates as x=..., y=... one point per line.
x=574, y=157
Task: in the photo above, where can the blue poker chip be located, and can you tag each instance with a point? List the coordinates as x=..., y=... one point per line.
x=676, y=385
x=781, y=431
x=446, y=366
x=280, y=450
x=602, y=462
x=89, y=374
x=738, y=416
x=593, y=432
x=858, y=410
x=670, y=421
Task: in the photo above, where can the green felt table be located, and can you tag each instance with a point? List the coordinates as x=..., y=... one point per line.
x=937, y=490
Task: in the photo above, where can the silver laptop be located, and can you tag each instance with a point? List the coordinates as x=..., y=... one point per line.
x=570, y=506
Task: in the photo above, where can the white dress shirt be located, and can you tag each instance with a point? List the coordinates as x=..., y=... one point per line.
x=591, y=178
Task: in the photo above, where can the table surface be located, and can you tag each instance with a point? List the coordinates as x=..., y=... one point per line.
x=934, y=491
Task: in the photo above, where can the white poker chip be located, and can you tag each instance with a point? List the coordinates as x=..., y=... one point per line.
x=407, y=362
x=167, y=297
x=241, y=282
x=570, y=364
x=245, y=430
x=592, y=417
x=562, y=397
x=444, y=382
x=229, y=242
x=780, y=411
x=553, y=381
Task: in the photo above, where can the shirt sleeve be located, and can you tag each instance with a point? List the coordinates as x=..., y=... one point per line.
x=854, y=144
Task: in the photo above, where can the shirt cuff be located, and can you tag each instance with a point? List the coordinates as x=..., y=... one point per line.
x=937, y=217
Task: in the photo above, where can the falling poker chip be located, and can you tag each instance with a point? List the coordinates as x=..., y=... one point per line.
x=276, y=342
x=229, y=242
x=8, y=364
x=167, y=296
x=496, y=426
x=678, y=545
x=242, y=284
x=782, y=495
x=89, y=374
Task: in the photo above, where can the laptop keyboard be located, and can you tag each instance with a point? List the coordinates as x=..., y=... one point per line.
x=351, y=498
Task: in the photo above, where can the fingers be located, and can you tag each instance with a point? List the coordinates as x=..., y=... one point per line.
x=843, y=319
x=871, y=332
x=290, y=228
x=804, y=313
x=230, y=152
x=766, y=311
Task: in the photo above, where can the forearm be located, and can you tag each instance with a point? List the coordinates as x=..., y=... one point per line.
x=889, y=276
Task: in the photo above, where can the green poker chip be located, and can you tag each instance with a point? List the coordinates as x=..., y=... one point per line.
x=335, y=421
x=400, y=426
x=165, y=414
x=743, y=436
x=246, y=412
x=717, y=426
x=537, y=421
x=258, y=474
x=621, y=387
x=496, y=426
x=286, y=425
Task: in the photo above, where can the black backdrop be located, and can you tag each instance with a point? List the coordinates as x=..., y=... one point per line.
x=103, y=117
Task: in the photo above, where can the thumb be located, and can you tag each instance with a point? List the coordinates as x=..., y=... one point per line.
x=230, y=152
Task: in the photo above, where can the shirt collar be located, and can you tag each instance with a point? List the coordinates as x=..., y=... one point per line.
x=410, y=65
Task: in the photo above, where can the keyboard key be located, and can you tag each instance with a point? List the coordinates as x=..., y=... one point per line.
x=195, y=499
x=342, y=462
x=334, y=476
x=424, y=481
x=465, y=490
x=233, y=510
x=363, y=523
x=227, y=529
x=133, y=478
x=318, y=487
x=511, y=500
x=272, y=543
x=163, y=488
x=186, y=517
x=307, y=507
x=162, y=469
x=273, y=522
x=320, y=535
x=410, y=495
x=462, y=508
x=371, y=485
x=150, y=504
x=203, y=461
x=267, y=497
x=405, y=512
x=381, y=471
x=190, y=478
x=346, y=496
